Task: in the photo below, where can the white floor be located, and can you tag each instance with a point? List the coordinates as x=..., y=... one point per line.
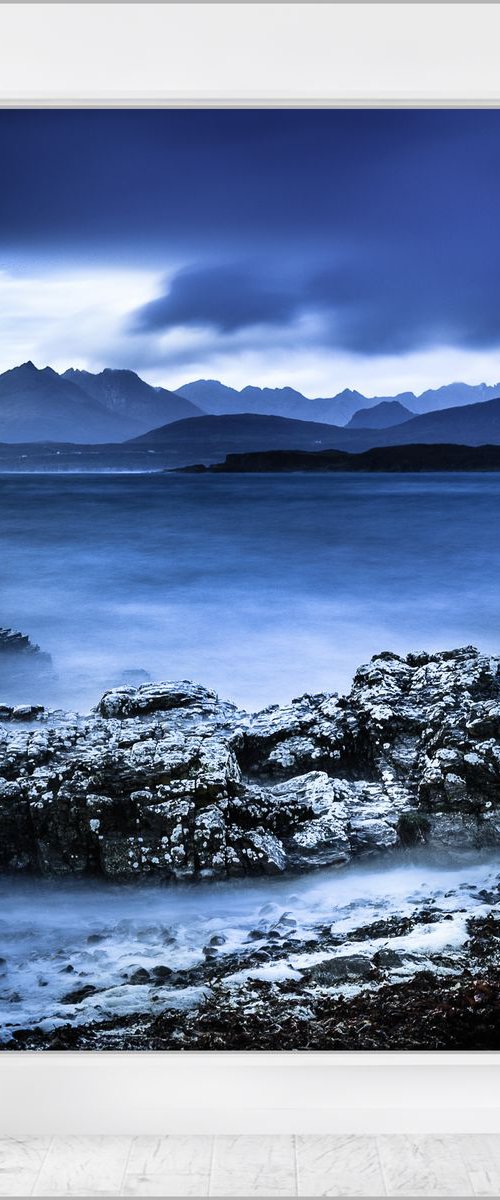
x=250, y=1166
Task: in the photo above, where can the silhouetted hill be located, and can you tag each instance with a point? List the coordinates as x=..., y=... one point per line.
x=470, y=424
x=130, y=456
x=381, y=416
x=210, y=439
x=387, y=458
x=207, y=439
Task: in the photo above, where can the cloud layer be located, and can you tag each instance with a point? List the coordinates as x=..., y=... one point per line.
x=398, y=305
x=328, y=243
x=224, y=298
x=71, y=318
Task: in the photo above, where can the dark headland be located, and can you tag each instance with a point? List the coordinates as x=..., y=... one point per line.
x=436, y=457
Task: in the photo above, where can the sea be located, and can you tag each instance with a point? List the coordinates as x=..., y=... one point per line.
x=262, y=587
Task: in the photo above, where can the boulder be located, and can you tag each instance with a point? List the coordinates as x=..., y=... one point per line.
x=166, y=781
x=345, y=968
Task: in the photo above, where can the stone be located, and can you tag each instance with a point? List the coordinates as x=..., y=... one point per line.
x=161, y=973
x=386, y=957
x=166, y=782
x=79, y=994
x=139, y=976
x=342, y=969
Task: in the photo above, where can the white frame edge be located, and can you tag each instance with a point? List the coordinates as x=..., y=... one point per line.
x=339, y=55
x=148, y=1093
x=257, y=53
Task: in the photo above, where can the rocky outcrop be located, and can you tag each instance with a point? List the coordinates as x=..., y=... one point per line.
x=22, y=663
x=168, y=782
x=18, y=647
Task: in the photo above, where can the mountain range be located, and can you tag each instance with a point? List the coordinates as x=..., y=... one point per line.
x=218, y=399
x=209, y=439
x=381, y=416
x=127, y=396
x=41, y=406
x=117, y=407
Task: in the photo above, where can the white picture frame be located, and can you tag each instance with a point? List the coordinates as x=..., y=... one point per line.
x=358, y=54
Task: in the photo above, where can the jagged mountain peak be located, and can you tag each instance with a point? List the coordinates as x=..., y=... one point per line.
x=38, y=404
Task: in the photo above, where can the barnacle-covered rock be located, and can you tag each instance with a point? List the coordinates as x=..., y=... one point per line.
x=166, y=781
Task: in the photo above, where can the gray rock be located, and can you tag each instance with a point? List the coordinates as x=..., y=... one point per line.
x=79, y=994
x=385, y=957
x=342, y=969
x=139, y=976
x=165, y=781
x=161, y=973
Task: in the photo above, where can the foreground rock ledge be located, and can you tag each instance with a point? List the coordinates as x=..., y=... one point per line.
x=167, y=782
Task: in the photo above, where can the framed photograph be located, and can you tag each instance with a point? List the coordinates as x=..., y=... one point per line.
x=249, y=498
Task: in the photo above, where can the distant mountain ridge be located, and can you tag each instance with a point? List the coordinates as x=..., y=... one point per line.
x=467, y=424
x=219, y=400
x=209, y=439
x=38, y=405
x=116, y=406
x=382, y=416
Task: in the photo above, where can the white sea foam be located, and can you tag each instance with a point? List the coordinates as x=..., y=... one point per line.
x=46, y=926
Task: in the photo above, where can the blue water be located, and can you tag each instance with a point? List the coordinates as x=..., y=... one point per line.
x=261, y=587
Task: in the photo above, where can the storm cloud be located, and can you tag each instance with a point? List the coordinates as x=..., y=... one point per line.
x=379, y=300
x=343, y=236
x=226, y=298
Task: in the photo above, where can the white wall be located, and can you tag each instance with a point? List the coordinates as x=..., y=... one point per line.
x=371, y=52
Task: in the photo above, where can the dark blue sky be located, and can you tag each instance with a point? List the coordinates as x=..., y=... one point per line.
x=353, y=235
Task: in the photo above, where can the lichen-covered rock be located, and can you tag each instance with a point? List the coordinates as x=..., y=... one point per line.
x=129, y=701
x=166, y=781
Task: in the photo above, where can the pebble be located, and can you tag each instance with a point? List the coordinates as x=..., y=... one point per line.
x=139, y=976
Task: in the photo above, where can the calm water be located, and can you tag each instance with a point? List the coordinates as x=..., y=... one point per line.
x=261, y=587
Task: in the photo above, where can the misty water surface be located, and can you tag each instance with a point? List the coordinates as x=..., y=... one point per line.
x=261, y=587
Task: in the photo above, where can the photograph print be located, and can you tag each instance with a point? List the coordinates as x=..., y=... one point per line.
x=249, y=579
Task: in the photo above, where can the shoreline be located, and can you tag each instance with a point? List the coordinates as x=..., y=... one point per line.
x=448, y=998
x=166, y=783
